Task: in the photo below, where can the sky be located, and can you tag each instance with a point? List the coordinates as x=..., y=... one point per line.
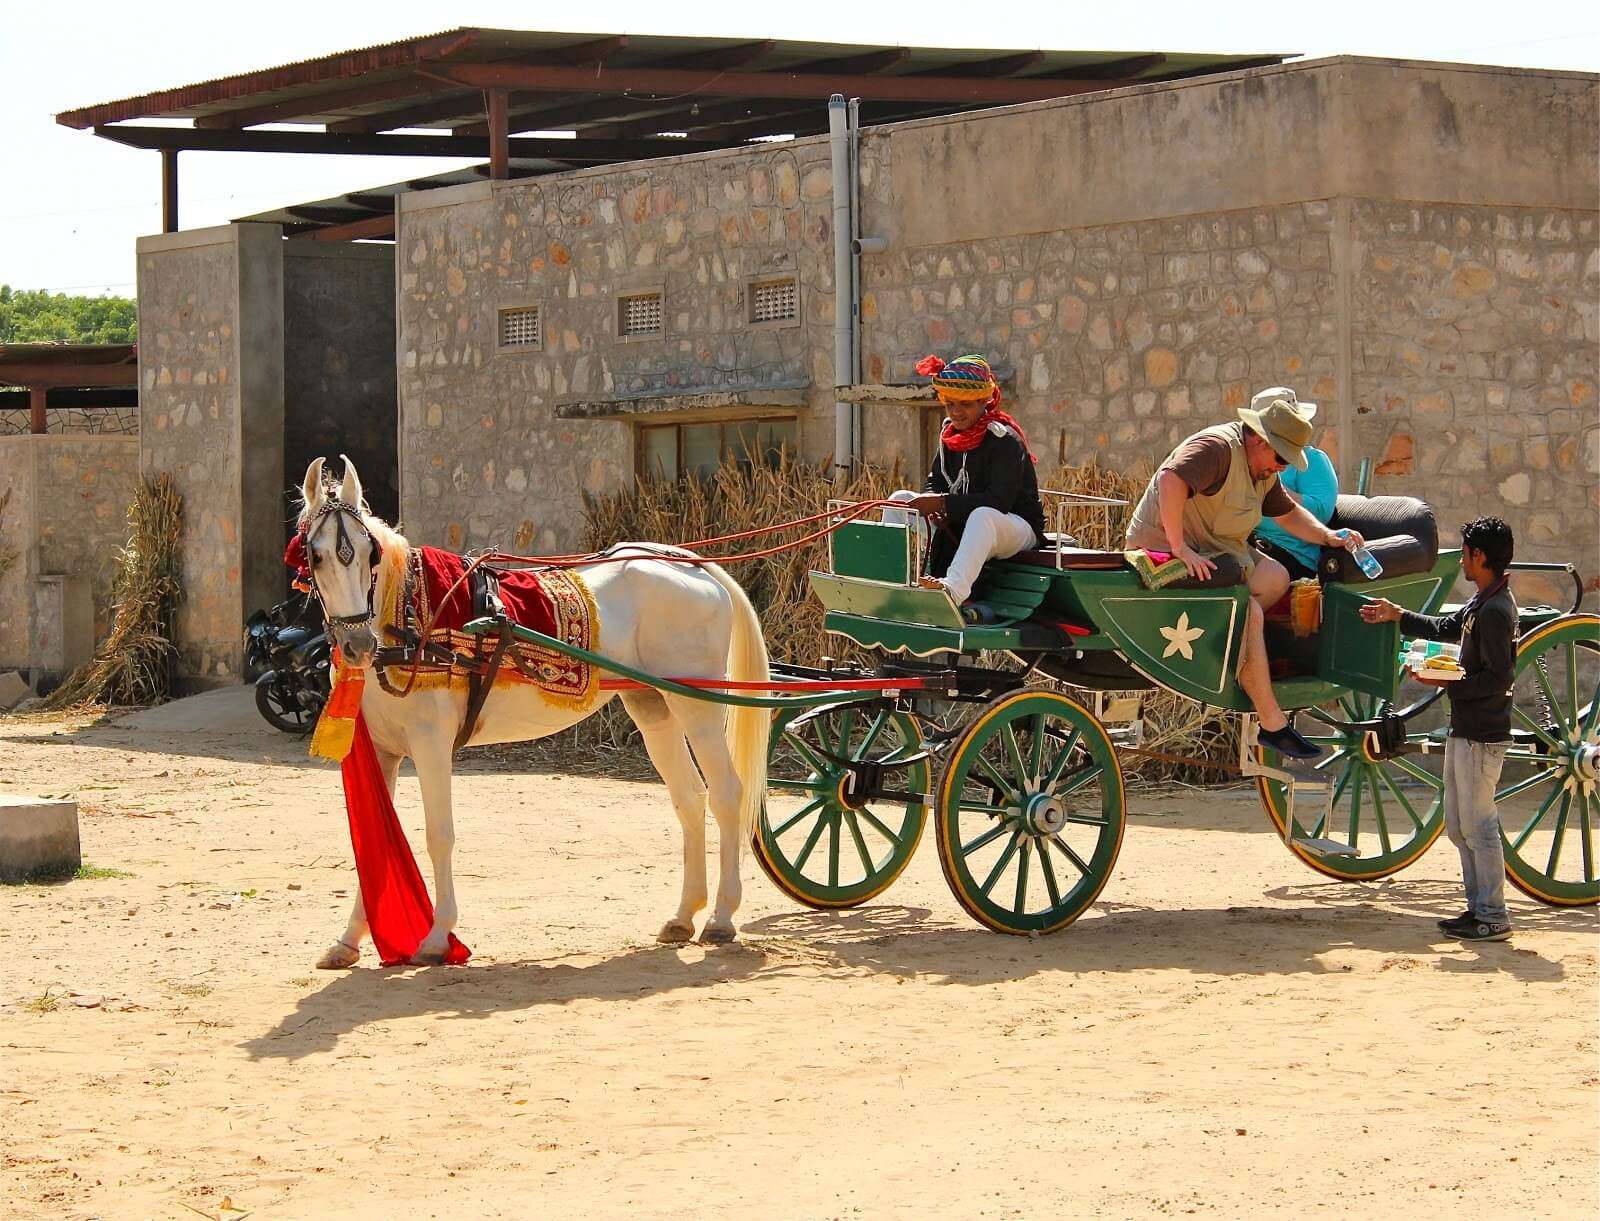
x=72, y=204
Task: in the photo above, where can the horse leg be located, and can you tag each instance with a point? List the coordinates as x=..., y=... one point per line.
x=431, y=754
x=664, y=742
x=346, y=951
x=705, y=726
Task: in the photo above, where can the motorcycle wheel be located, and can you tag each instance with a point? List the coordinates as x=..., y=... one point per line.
x=280, y=709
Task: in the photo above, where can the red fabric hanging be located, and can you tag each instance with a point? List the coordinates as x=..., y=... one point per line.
x=399, y=912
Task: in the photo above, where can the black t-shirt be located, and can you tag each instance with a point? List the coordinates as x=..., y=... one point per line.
x=1000, y=475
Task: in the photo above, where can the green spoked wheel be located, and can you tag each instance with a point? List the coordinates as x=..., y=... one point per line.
x=1547, y=794
x=821, y=842
x=1030, y=812
x=1390, y=810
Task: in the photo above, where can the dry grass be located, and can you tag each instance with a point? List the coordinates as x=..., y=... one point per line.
x=740, y=497
x=134, y=663
x=8, y=556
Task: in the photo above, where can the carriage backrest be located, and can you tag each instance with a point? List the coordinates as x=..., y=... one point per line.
x=1400, y=531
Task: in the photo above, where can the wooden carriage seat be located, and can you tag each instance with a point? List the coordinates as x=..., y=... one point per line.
x=1072, y=555
x=1400, y=531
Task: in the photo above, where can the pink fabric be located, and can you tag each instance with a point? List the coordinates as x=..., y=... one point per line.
x=399, y=911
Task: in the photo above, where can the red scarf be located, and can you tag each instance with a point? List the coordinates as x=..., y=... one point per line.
x=963, y=440
x=398, y=910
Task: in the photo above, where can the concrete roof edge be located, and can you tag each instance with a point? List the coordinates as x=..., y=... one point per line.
x=1212, y=79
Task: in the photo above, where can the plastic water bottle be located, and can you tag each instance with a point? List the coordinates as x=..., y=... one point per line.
x=1417, y=652
x=1365, y=560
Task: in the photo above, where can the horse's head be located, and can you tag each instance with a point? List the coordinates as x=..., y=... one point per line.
x=344, y=555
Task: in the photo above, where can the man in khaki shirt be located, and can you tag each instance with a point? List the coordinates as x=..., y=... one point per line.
x=1204, y=501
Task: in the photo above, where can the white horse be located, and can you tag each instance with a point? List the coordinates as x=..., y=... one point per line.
x=673, y=619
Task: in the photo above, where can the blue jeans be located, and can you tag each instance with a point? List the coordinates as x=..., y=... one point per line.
x=1471, y=773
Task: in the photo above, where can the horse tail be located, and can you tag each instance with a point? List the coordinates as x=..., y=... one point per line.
x=747, y=727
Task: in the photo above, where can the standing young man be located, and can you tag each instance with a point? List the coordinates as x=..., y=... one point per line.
x=1480, y=720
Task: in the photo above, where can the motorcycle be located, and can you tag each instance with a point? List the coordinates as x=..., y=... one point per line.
x=288, y=658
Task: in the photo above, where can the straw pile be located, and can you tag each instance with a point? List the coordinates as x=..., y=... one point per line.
x=134, y=663
x=8, y=557
x=742, y=497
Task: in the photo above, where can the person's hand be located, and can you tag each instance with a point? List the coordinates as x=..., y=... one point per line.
x=930, y=504
x=1348, y=539
x=1430, y=682
x=1379, y=610
x=1199, y=567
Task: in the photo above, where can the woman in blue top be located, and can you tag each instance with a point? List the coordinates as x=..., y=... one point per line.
x=1317, y=488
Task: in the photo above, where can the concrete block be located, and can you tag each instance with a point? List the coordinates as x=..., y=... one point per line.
x=13, y=690
x=38, y=838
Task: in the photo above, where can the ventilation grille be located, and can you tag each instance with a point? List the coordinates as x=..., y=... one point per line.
x=519, y=328
x=641, y=315
x=774, y=301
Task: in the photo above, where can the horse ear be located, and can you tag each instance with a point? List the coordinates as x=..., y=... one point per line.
x=350, y=491
x=311, y=489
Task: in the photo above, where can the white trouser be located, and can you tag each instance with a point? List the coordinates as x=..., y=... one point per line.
x=989, y=535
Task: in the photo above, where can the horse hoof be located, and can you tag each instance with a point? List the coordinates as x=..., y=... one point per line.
x=675, y=932
x=426, y=957
x=338, y=957
x=715, y=934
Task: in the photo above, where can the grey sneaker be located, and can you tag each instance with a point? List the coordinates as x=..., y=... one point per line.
x=1482, y=930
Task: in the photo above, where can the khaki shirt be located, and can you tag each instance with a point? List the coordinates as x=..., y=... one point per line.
x=1216, y=524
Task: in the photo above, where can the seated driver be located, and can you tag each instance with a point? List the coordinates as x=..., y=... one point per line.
x=982, y=493
x=1206, y=498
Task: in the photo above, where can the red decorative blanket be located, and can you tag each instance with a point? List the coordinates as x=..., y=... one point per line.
x=554, y=601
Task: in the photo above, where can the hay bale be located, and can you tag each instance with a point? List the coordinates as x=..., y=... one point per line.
x=133, y=665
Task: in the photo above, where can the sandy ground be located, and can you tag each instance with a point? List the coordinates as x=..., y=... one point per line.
x=1225, y=1033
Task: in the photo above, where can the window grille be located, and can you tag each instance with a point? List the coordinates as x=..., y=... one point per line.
x=640, y=315
x=774, y=301
x=519, y=328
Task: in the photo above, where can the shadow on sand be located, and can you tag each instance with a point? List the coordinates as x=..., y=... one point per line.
x=903, y=942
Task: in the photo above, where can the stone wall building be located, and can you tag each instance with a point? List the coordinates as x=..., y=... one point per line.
x=1411, y=245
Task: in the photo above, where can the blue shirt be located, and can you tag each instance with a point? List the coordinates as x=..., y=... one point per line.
x=1318, y=488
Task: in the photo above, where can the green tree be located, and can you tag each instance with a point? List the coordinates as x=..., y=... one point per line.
x=36, y=316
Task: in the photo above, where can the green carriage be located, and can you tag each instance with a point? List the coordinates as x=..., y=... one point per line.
x=1008, y=730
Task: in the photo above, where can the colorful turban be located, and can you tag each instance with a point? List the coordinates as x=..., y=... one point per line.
x=965, y=378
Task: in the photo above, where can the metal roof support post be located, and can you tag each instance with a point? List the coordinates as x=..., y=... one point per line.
x=844, y=457
x=169, y=190
x=36, y=406
x=499, y=136
x=857, y=448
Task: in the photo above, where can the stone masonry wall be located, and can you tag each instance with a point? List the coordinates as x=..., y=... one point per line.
x=484, y=457
x=85, y=485
x=98, y=420
x=189, y=375
x=67, y=516
x=1474, y=349
x=18, y=557
x=1120, y=339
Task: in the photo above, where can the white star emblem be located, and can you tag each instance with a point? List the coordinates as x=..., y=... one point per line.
x=1181, y=638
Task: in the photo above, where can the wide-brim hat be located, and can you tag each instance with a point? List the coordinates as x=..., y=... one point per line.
x=1283, y=424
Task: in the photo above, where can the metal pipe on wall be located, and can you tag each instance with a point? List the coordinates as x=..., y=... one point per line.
x=844, y=455
x=857, y=448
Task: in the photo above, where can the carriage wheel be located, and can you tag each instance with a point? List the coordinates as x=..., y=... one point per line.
x=1031, y=812
x=820, y=844
x=1547, y=794
x=1389, y=810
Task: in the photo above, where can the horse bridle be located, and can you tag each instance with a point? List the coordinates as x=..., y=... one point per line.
x=344, y=549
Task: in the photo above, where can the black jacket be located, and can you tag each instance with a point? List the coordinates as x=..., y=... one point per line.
x=1480, y=700
x=1000, y=475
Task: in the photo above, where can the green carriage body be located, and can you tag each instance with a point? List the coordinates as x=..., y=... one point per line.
x=1184, y=639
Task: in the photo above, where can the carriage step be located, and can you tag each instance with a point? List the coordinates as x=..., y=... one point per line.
x=1327, y=847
